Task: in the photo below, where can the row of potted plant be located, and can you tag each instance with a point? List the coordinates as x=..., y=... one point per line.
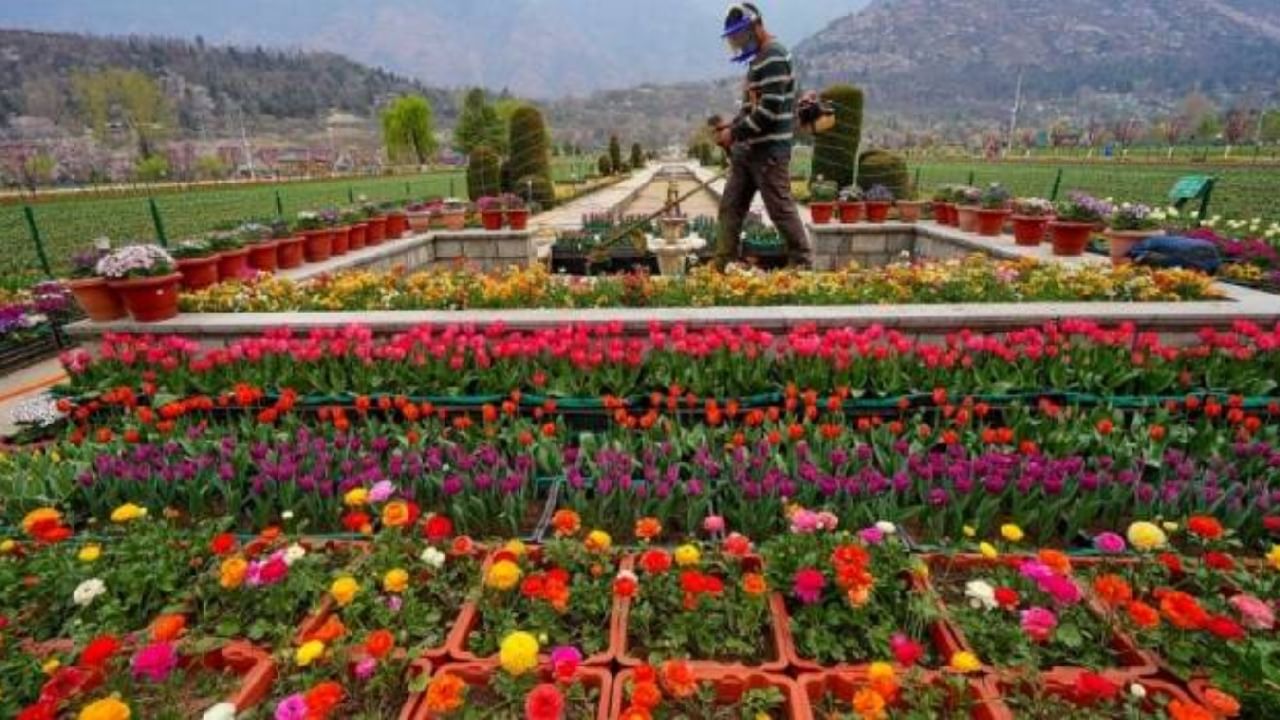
x=853, y=204
x=1069, y=223
x=685, y=365
x=1027, y=625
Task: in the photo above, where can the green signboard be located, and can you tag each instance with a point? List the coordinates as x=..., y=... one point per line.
x=1189, y=187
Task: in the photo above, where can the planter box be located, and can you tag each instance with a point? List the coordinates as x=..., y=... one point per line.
x=730, y=683
x=845, y=683
x=479, y=675
x=1062, y=684
x=471, y=614
x=775, y=662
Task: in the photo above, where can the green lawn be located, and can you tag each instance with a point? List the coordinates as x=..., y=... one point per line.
x=68, y=225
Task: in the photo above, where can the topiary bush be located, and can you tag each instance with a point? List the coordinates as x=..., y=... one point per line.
x=530, y=145
x=881, y=167
x=615, y=153
x=605, y=166
x=835, y=150
x=484, y=173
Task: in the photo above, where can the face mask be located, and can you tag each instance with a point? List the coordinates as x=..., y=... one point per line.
x=742, y=45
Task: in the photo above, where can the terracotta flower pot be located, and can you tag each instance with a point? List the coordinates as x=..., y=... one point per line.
x=518, y=219
x=318, y=245
x=491, y=219
x=1062, y=685
x=1070, y=238
x=991, y=222
x=1029, y=230
x=730, y=685
x=845, y=683
x=233, y=264
x=480, y=674
x=878, y=210
x=357, y=237
x=198, y=273
x=778, y=606
x=149, y=299
x=289, y=254
x=256, y=669
x=96, y=298
x=265, y=256
x=376, y=232
x=942, y=213
x=341, y=240
x=909, y=211
x=821, y=212
x=397, y=225
x=419, y=222
x=850, y=212
x=967, y=217
x=1122, y=241
x=454, y=219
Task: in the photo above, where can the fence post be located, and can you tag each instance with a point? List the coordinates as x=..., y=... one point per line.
x=407, y=193
x=35, y=238
x=970, y=183
x=916, y=185
x=279, y=205
x=1057, y=184
x=159, y=223
x=351, y=196
x=452, y=194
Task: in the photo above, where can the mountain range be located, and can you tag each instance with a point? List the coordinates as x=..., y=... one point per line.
x=538, y=48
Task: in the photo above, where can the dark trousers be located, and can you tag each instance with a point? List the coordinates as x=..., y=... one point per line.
x=769, y=173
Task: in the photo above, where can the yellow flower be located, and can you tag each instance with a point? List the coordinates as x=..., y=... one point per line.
x=356, y=497
x=965, y=662
x=127, y=512
x=1011, y=532
x=1169, y=527
x=518, y=653
x=988, y=550
x=310, y=651
x=51, y=666
x=881, y=673
x=344, y=590
x=89, y=553
x=515, y=547
x=1273, y=557
x=687, y=555
x=598, y=541
x=502, y=575
x=970, y=531
x=7, y=546
x=231, y=572
x=108, y=708
x=1146, y=536
x=395, y=581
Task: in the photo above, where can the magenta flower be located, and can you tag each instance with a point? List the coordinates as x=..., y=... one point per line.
x=364, y=669
x=381, y=491
x=871, y=535
x=1039, y=623
x=1109, y=543
x=293, y=707
x=807, y=585
x=155, y=662
x=1063, y=590
x=713, y=524
x=1255, y=614
x=805, y=522
x=565, y=660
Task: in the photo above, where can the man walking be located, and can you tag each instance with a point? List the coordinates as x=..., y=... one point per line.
x=759, y=139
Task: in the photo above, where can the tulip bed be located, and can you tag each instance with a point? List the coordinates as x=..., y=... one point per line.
x=1059, y=521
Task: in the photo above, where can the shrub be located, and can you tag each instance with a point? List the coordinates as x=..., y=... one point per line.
x=604, y=166
x=881, y=167
x=615, y=153
x=835, y=150
x=531, y=152
x=484, y=173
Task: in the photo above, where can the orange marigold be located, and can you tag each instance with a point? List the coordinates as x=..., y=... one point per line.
x=1182, y=610
x=648, y=528
x=678, y=678
x=1112, y=589
x=445, y=693
x=1222, y=703
x=754, y=584
x=1205, y=527
x=1143, y=615
x=1057, y=560
x=566, y=523
x=1179, y=710
x=168, y=627
x=869, y=704
x=646, y=695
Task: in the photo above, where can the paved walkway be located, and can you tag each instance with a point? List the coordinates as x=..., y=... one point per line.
x=29, y=382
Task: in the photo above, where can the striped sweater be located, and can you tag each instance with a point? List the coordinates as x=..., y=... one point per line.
x=767, y=117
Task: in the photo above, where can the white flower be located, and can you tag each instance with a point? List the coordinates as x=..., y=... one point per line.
x=221, y=711
x=294, y=553
x=286, y=515
x=86, y=591
x=134, y=258
x=981, y=595
x=887, y=527
x=433, y=557
x=1138, y=690
x=40, y=411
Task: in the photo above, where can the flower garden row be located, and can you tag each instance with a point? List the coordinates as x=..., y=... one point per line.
x=973, y=279
x=162, y=617
x=686, y=366
x=143, y=280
